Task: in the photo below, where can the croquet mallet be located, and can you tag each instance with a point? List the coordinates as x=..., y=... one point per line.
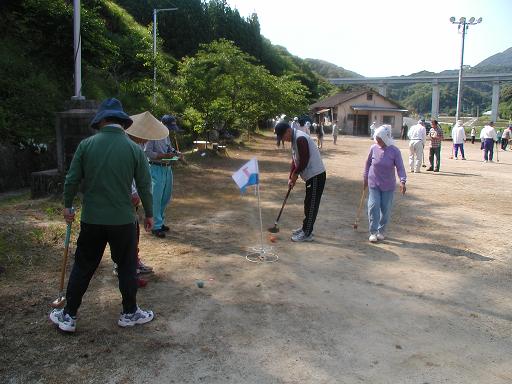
x=61, y=299
x=275, y=228
x=358, y=215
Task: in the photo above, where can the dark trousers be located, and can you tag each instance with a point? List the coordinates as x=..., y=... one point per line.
x=457, y=147
x=437, y=153
x=472, y=139
x=314, y=190
x=504, y=143
x=488, y=149
x=91, y=244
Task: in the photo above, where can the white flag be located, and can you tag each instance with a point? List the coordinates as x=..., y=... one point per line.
x=247, y=175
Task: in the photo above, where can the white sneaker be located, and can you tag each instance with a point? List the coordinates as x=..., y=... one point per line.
x=297, y=231
x=65, y=322
x=138, y=317
x=380, y=236
x=299, y=237
x=373, y=238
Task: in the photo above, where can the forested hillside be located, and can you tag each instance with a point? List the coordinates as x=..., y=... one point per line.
x=36, y=64
x=329, y=70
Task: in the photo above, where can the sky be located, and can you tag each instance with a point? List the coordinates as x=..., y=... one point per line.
x=384, y=38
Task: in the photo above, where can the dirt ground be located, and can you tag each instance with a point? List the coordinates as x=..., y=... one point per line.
x=430, y=304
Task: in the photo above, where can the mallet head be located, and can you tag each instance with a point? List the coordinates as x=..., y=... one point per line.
x=58, y=302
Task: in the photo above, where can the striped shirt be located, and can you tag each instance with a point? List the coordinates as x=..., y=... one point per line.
x=436, y=137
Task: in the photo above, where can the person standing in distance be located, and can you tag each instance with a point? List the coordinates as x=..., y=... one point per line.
x=417, y=136
x=436, y=138
x=106, y=164
x=306, y=162
x=488, y=137
x=334, y=132
x=159, y=153
x=458, y=137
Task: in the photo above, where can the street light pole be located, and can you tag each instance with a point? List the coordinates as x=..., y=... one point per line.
x=155, y=11
x=464, y=25
x=77, y=51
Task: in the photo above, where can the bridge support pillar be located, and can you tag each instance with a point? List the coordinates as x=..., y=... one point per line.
x=495, y=100
x=435, y=100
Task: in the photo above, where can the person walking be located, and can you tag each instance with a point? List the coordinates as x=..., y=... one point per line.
x=334, y=133
x=105, y=164
x=488, y=136
x=473, y=135
x=379, y=177
x=499, y=134
x=507, y=133
x=159, y=153
x=295, y=123
x=306, y=162
x=373, y=127
x=279, y=141
x=458, y=138
x=417, y=139
x=404, y=132
x=436, y=138
x=320, y=135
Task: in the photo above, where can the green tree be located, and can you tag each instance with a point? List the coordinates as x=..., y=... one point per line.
x=229, y=90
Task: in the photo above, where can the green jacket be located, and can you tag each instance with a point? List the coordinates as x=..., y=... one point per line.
x=107, y=163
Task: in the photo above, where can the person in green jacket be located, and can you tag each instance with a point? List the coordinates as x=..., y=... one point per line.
x=106, y=164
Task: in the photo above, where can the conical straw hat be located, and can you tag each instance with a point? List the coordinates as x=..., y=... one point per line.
x=146, y=126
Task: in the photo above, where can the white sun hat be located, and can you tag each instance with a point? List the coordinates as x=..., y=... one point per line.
x=146, y=126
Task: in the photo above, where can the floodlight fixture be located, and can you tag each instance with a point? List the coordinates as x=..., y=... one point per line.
x=452, y=19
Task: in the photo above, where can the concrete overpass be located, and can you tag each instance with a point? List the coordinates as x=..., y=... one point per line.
x=383, y=82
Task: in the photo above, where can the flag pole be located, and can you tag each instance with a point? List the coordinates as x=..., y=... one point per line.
x=261, y=222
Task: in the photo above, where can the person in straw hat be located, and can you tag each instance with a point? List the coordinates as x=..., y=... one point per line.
x=145, y=127
x=159, y=153
x=106, y=164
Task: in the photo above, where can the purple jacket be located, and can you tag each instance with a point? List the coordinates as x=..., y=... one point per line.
x=379, y=171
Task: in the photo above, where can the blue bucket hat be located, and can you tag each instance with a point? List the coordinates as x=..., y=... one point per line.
x=170, y=122
x=111, y=108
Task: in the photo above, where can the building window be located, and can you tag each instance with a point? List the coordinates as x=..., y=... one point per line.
x=388, y=120
x=369, y=96
x=350, y=116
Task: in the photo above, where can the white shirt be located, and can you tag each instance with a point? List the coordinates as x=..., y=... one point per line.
x=458, y=134
x=488, y=132
x=473, y=132
x=417, y=132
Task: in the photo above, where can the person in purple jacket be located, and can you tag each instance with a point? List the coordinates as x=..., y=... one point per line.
x=379, y=178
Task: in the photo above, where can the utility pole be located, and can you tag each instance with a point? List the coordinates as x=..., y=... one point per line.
x=155, y=12
x=463, y=26
x=77, y=51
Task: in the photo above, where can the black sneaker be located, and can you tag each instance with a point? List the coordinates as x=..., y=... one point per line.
x=158, y=233
x=165, y=228
x=430, y=169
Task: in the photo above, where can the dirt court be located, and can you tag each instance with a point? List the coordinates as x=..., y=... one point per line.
x=430, y=304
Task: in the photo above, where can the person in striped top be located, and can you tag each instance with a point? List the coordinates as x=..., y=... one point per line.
x=436, y=137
